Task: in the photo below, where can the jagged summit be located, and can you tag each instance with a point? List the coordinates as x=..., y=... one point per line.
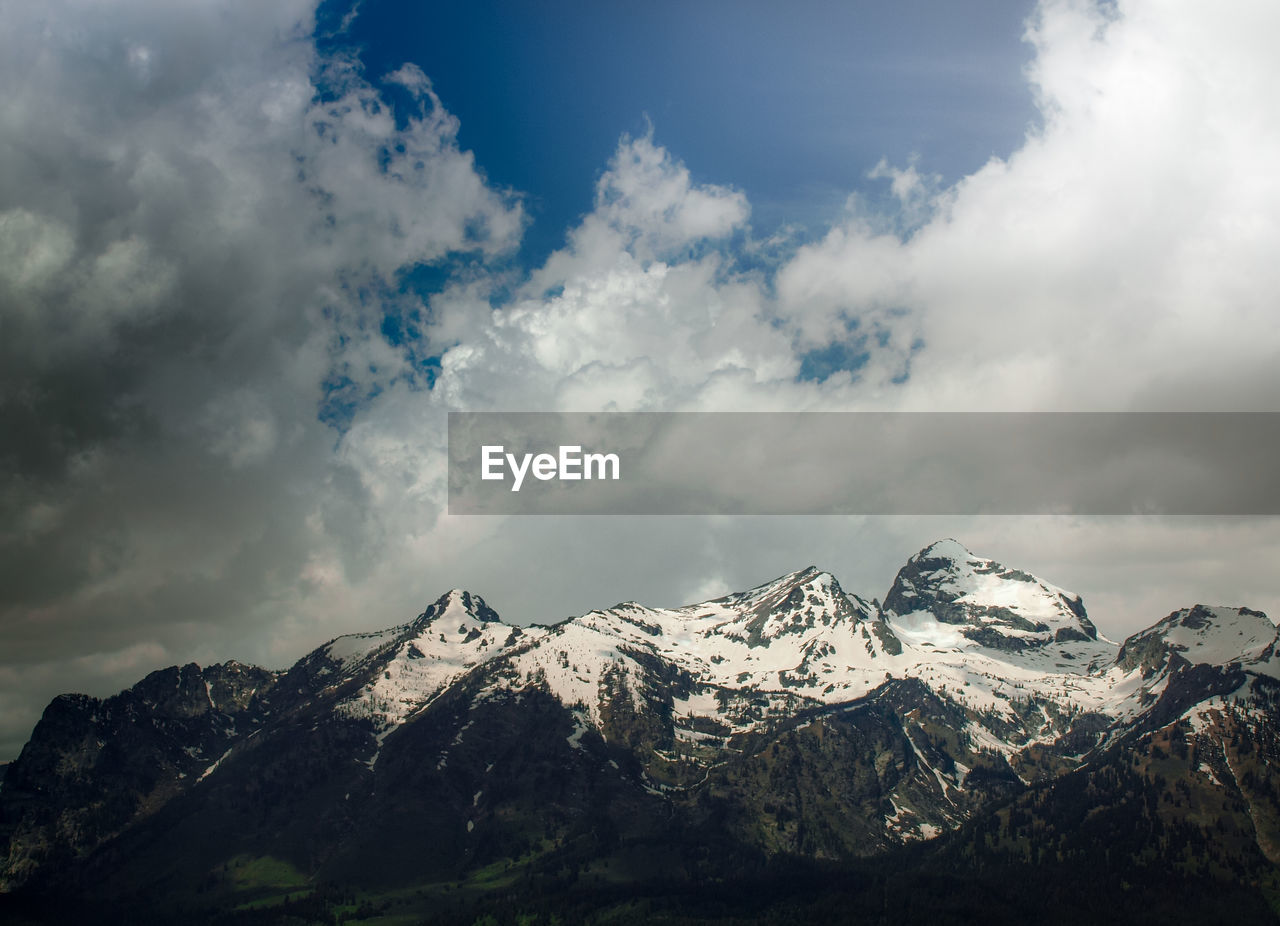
x=456, y=603
x=772, y=587
x=793, y=603
x=946, y=548
x=985, y=602
x=387, y=676
x=468, y=610
x=1198, y=635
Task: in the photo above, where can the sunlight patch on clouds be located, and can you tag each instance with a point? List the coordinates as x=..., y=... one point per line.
x=1122, y=240
x=649, y=197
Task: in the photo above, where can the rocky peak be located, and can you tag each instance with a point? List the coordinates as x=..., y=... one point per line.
x=794, y=603
x=994, y=605
x=1200, y=635
x=456, y=603
x=457, y=615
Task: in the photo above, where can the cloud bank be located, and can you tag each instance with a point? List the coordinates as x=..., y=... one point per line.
x=214, y=447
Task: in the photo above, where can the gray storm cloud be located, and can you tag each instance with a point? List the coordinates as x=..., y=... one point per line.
x=193, y=205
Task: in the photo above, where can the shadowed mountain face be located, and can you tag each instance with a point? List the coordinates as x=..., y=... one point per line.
x=977, y=719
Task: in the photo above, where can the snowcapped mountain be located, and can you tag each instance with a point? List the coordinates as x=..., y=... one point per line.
x=1201, y=635
x=948, y=597
x=794, y=717
x=405, y=667
x=799, y=635
x=986, y=636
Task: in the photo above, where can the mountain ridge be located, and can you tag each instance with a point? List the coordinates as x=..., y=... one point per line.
x=905, y=722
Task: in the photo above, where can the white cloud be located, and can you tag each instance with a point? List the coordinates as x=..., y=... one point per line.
x=640, y=310
x=1117, y=258
x=202, y=220
x=649, y=198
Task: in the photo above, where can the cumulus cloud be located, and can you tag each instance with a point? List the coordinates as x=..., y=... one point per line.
x=1116, y=259
x=203, y=222
x=641, y=309
x=648, y=198
x=197, y=213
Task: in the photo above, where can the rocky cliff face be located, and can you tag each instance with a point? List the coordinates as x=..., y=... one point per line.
x=94, y=767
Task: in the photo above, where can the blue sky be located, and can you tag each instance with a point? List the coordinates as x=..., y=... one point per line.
x=792, y=103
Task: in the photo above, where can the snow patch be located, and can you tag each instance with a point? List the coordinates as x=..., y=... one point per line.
x=212, y=768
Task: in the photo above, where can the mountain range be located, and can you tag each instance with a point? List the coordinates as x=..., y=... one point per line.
x=767, y=756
